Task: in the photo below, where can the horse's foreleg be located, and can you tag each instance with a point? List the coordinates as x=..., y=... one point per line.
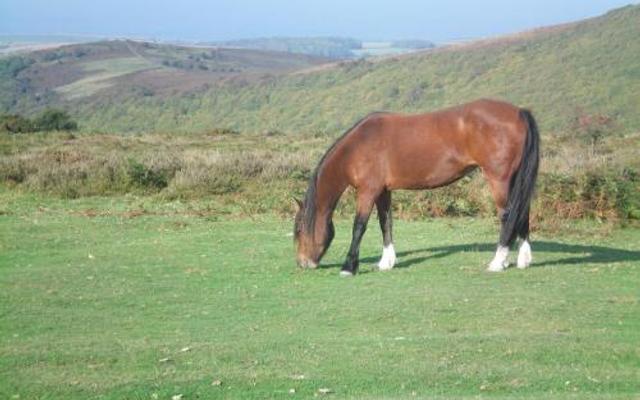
x=500, y=192
x=363, y=210
x=383, y=204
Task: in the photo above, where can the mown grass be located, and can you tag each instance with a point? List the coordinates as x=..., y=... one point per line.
x=121, y=297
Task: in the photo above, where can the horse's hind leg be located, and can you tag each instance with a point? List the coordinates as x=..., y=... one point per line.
x=524, y=254
x=383, y=204
x=363, y=211
x=500, y=192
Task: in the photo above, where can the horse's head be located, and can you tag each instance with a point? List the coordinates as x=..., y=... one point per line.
x=312, y=236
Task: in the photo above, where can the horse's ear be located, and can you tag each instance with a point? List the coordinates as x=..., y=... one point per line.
x=298, y=203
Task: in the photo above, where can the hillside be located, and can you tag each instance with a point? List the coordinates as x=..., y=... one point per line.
x=109, y=71
x=590, y=67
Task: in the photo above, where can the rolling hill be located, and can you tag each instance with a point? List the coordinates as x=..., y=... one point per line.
x=588, y=67
x=118, y=69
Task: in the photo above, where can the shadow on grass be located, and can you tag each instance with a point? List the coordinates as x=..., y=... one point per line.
x=570, y=254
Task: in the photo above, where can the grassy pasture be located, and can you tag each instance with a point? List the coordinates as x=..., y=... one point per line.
x=124, y=297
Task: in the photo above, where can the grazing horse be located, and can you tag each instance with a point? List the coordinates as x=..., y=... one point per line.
x=387, y=151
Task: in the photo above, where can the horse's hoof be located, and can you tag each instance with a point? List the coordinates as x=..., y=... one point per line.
x=524, y=255
x=497, y=267
x=346, y=274
x=388, y=258
x=386, y=264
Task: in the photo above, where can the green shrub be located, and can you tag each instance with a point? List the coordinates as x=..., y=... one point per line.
x=15, y=123
x=606, y=194
x=145, y=177
x=53, y=119
x=49, y=120
x=628, y=194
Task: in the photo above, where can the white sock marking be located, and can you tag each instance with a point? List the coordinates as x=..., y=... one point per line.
x=499, y=262
x=388, y=259
x=524, y=255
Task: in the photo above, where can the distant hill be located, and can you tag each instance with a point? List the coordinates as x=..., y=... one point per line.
x=109, y=71
x=330, y=47
x=588, y=67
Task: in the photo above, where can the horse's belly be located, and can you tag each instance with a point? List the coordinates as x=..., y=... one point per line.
x=429, y=174
x=425, y=183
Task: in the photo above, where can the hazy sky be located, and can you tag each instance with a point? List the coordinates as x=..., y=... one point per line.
x=228, y=19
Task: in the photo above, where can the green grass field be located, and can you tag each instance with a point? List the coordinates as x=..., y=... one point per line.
x=125, y=298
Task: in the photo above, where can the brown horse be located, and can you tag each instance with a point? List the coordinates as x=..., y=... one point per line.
x=386, y=151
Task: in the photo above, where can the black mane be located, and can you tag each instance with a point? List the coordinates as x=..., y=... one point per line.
x=309, y=203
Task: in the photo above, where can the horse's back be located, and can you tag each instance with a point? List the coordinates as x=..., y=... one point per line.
x=432, y=149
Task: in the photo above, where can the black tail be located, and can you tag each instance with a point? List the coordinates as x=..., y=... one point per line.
x=515, y=221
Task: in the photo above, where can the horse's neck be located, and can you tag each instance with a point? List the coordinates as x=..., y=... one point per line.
x=330, y=185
